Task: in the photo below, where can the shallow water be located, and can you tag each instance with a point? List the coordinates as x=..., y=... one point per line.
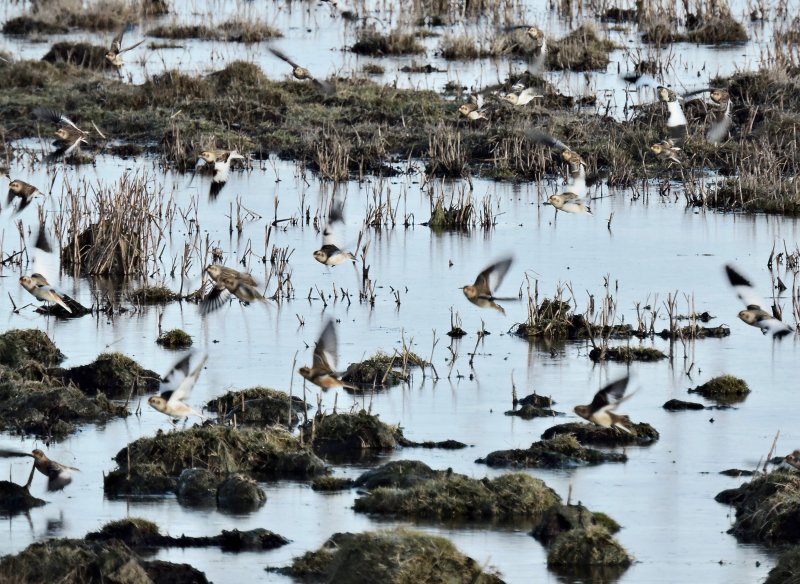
x=663, y=496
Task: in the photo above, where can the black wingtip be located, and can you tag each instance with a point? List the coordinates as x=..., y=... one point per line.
x=42, y=242
x=215, y=189
x=735, y=278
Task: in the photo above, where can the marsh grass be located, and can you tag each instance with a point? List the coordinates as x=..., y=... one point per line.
x=95, y=15
x=376, y=44
x=235, y=30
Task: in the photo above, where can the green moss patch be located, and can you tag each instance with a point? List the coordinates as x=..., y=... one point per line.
x=175, y=339
x=723, y=389
x=583, y=547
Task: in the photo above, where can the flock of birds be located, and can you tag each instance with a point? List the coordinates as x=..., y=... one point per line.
x=176, y=386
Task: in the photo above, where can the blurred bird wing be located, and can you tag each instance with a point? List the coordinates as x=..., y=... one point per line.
x=610, y=396
x=11, y=453
x=333, y=234
x=185, y=379
x=133, y=46
x=744, y=289
x=539, y=137
x=324, y=86
x=491, y=278
x=217, y=297
x=177, y=374
x=720, y=128
x=116, y=43
x=282, y=56
x=325, y=350
x=54, y=116
x=774, y=326
x=676, y=115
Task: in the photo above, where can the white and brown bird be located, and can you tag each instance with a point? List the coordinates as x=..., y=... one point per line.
x=524, y=97
x=323, y=369
x=58, y=475
x=481, y=292
x=37, y=286
x=228, y=281
x=176, y=388
x=25, y=192
x=568, y=203
x=601, y=410
x=666, y=150
x=114, y=54
x=302, y=74
x=330, y=253
x=220, y=161
x=69, y=135
x=577, y=183
x=472, y=112
x=755, y=313
x=676, y=121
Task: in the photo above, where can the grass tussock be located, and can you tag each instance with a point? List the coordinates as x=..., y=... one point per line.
x=591, y=546
x=561, y=451
x=581, y=50
x=235, y=31
x=153, y=295
x=175, y=339
x=724, y=388
x=393, y=556
x=95, y=15
x=372, y=43
x=510, y=496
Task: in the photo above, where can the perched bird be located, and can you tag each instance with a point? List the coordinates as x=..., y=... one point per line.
x=302, y=73
x=322, y=371
x=524, y=97
x=666, y=150
x=471, y=112
x=113, y=56
x=481, y=292
x=568, y=203
x=23, y=191
x=176, y=387
x=755, y=314
x=37, y=286
x=601, y=410
x=793, y=460
x=69, y=135
x=330, y=254
x=676, y=122
x=220, y=160
x=228, y=281
x=58, y=475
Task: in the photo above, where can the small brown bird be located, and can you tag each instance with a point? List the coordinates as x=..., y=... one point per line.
x=220, y=160
x=23, y=191
x=38, y=287
x=666, y=150
x=793, y=460
x=176, y=387
x=330, y=253
x=577, y=183
x=58, y=475
x=69, y=136
x=568, y=203
x=322, y=372
x=302, y=73
x=228, y=281
x=113, y=56
x=524, y=97
x=601, y=410
x=481, y=292
x=471, y=112
x=755, y=314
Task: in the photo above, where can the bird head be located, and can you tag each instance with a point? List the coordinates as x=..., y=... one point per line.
x=305, y=372
x=321, y=256
x=214, y=271
x=208, y=156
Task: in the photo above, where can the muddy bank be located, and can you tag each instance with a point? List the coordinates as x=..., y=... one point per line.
x=455, y=496
x=767, y=508
x=533, y=406
x=139, y=533
x=392, y=556
x=561, y=451
x=16, y=498
x=113, y=374
x=70, y=560
x=153, y=465
x=640, y=434
x=787, y=568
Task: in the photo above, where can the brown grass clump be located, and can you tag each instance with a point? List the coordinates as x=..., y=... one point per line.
x=175, y=339
x=78, y=54
x=97, y=15
x=239, y=31
x=580, y=50
x=373, y=43
x=561, y=451
x=396, y=556
x=724, y=389
x=463, y=47
x=591, y=546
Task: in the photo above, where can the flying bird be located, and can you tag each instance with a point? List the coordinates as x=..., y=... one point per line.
x=676, y=122
x=330, y=253
x=228, y=281
x=601, y=410
x=322, y=371
x=176, y=388
x=481, y=292
x=113, y=56
x=69, y=135
x=220, y=160
x=23, y=191
x=577, y=183
x=755, y=314
x=38, y=287
x=666, y=150
x=524, y=97
x=58, y=475
x=301, y=73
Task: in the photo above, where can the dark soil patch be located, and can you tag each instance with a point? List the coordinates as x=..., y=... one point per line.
x=401, y=474
x=114, y=374
x=562, y=518
x=528, y=412
x=626, y=354
x=16, y=498
x=352, y=432
x=677, y=405
x=79, y=55
x=562, y=451
x=641, y=434
x=18, y=346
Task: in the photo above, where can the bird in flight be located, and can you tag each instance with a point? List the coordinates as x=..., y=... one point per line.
x=754, y=313
x=601, y=410
x=481, y=293
x=176, y=388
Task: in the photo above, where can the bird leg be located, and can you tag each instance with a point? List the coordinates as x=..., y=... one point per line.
x=30, y=476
